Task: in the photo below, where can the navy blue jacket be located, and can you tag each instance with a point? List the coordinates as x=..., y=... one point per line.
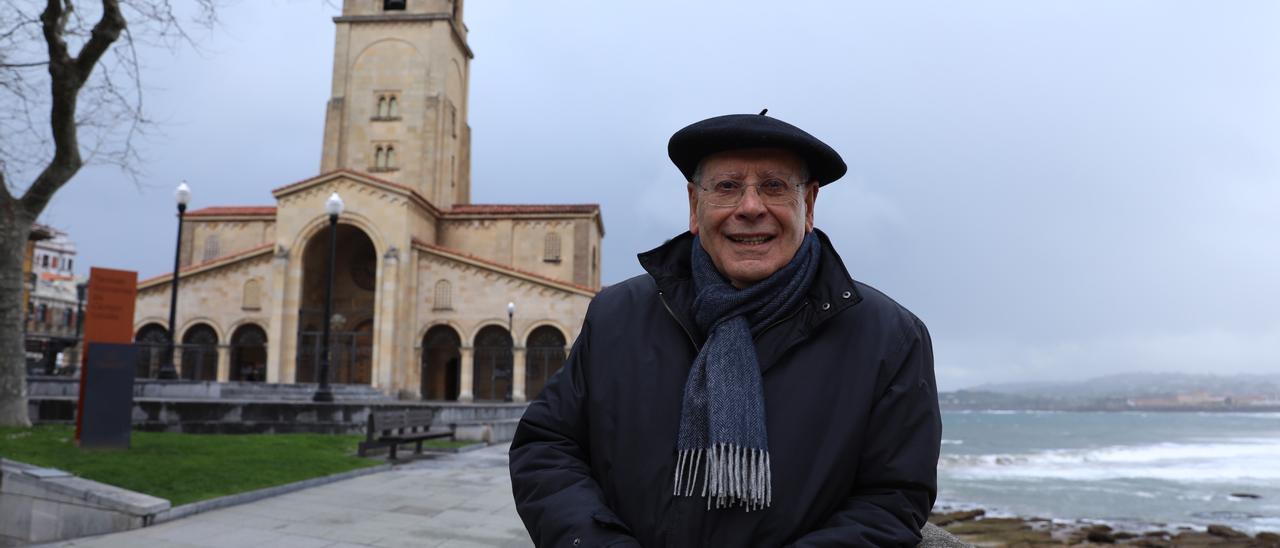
x=852, y=417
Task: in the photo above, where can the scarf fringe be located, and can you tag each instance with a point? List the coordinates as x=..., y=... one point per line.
x=731, y=475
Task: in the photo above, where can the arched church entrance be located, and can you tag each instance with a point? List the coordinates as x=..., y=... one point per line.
x=493, y=364
x=199, y=354
x=441, y=354
x=249, y=354
x=545, y=351
x=351, y=321
x=150, y=341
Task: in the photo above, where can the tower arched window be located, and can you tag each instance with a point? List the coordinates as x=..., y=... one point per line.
x=382, y=106
x=444, y=295
x=379, y=158
x=210, y=247
x=391, y=158
x=393, y=107
x=551, y=248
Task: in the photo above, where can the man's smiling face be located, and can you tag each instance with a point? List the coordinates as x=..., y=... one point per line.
x=759, y=234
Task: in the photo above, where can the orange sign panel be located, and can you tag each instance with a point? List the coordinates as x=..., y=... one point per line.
x=108, y=316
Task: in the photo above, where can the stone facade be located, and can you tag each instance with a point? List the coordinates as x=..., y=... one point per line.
x=422, y=277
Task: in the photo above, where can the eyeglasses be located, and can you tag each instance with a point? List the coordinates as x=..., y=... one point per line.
x=729, y=193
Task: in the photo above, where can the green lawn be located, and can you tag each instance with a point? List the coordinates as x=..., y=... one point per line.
x=189, y=467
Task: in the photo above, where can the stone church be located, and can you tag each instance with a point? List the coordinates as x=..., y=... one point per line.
x=422, y=278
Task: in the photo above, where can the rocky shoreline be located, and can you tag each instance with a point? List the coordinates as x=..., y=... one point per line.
x=977, y=528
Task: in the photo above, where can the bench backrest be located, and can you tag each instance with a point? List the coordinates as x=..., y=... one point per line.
x=404, y=419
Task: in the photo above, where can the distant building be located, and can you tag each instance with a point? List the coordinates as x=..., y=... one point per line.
x=51, y=302
x=422, y=276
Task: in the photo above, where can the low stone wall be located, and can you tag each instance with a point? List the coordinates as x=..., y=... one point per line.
x=493, y=423
x=57, y=387
x=232, y=417
x=46, y=505
x=203, y=407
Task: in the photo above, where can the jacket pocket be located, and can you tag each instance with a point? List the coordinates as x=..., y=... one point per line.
x=610, y=521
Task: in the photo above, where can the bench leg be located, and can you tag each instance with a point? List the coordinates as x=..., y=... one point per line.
x=418, y=450
x=393, y=450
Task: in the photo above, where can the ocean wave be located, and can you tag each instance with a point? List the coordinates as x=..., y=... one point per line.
x=952, y=442
x=1252, y=458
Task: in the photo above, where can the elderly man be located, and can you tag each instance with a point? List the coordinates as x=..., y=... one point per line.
x=745, y=391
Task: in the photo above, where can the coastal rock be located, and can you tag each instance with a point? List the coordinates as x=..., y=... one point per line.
x=1000, y=532
x=1098, y=536
x=1246, y=496
x=947, y=518
x=1270, y=540
x=1225, y=532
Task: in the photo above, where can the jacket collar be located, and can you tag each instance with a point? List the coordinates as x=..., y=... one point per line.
x=669, y=264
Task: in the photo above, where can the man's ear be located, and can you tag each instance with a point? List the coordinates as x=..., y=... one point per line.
x=810, y=198
x=693, y=209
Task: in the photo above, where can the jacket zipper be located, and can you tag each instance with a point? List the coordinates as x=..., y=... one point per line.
x=662, y=297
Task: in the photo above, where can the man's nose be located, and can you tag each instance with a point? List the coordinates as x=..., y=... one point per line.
x=750, y=207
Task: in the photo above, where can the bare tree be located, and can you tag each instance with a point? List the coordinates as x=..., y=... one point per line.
x=70, y=94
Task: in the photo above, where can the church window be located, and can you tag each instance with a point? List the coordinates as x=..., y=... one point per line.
x=210, y=247
x=551, y=248
x=453, y=121
x=444, y=296
x=384, y=158
x=393, y=5
x=252, y=298
x=393, y=107
x=382, y=107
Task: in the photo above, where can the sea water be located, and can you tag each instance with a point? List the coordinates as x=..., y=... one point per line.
x=1130, y=469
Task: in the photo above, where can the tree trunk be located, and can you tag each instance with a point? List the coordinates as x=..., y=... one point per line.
x=15, y=226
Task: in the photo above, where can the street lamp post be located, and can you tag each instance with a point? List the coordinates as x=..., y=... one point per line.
x=333, y=206
x=167, y=371
x=511, y=314
x=80, y=290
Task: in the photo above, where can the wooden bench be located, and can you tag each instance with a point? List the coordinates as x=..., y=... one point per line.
x=392, y=428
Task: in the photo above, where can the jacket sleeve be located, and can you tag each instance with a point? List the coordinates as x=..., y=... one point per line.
x=897, y=472
x=555, y=494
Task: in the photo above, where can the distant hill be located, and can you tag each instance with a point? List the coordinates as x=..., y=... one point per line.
x=1157, y=391
x=1135, y=385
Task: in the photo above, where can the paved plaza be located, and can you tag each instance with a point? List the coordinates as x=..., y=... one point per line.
x=451, y=501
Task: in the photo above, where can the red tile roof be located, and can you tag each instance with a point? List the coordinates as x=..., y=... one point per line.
x=501, y=266
x=197, y=266
x=499, y=209
x=233, y=210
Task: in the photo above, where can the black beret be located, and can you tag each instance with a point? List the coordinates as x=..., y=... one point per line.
x=738, y=131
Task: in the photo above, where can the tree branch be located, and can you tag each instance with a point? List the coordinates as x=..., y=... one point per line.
x=53, y=22
x=23, y=65
x=106, y=32
x=67, y=76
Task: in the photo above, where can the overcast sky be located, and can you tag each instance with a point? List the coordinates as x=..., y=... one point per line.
x=1058, y=189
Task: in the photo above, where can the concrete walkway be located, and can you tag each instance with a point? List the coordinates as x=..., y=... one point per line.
x=452, y=501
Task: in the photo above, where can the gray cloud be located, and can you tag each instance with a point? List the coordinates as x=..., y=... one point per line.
x=1059, y=190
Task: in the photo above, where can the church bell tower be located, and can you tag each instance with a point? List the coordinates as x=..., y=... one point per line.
x=398, y=109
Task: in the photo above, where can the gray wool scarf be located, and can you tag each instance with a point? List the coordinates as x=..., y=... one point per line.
x=723, y=442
